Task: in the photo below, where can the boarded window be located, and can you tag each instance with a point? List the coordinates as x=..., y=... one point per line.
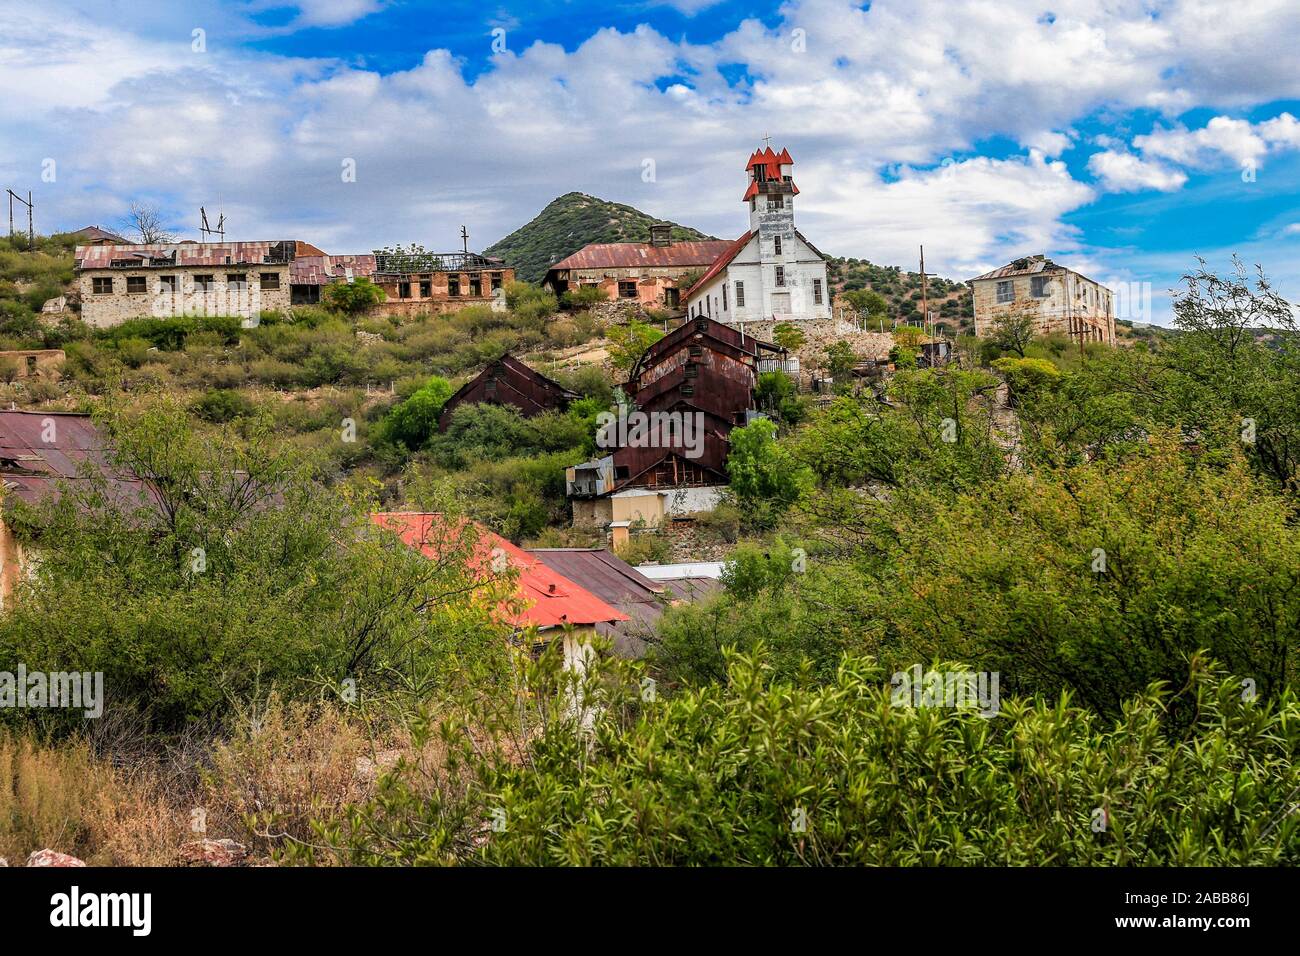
x=136, y=285
x=780, y=275
x=627, y=290
x=695, y=351
x=740, y=295
x=270, y=281
x=1006, y=292
x=102, y=286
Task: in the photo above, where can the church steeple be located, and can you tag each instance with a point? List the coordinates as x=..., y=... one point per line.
x=771, y=184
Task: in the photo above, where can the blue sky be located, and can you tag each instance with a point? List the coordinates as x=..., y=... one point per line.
x=1123, y=137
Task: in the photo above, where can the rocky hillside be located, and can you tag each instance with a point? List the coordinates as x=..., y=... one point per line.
x=568, y=224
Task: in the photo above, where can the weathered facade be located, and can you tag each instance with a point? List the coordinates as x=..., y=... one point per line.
x=120, y=282
x=418, y=283
x=771, y=273
x=1058, y=299
x=690, y=389
x=508, y=381
x=19, y=364
x=648, y=273
x=308, y=275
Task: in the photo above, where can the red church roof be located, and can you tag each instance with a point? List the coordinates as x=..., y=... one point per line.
x=550, y=599
x=720, y=263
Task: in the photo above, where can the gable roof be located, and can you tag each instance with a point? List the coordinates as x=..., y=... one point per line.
x=1025, y=265
x=527, y=404
x=93, y=234
x=721, y=263
x=550, y=599
x=631, y=255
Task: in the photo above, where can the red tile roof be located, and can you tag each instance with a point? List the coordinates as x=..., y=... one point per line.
x=733, y=250
x=550, y=599
x=631, y=255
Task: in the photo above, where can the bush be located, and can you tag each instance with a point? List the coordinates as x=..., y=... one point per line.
x=222, y=405
x=351, y=298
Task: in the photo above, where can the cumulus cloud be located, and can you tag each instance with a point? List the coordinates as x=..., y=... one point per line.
x=1123, y=172
x=870, y=99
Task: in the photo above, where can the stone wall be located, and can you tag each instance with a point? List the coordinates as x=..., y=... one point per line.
x=106, y=309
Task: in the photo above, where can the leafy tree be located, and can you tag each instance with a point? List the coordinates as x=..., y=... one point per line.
x=776, y=395
x=352, y=298
x=1012, y=328
x=411, y=423
x=765, y=477
x=628, y=342
x=789, y=336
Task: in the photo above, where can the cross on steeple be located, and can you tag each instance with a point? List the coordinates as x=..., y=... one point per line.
x=767, y=140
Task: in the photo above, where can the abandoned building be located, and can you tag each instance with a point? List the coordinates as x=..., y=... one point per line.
x=508, y=381
x=648, y=273
x=703, y=371
x=19, y=364
x=548, y=604
x=771, y=273
x=432, y=282
x=94, y=236
x=1058, y=299
x=119, y=282
x=308, y=275
x=39, y=453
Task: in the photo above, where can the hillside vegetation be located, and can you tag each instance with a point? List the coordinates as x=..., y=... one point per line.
x=570, y=222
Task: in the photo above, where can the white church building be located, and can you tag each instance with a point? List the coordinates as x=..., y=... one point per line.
x=771, y=273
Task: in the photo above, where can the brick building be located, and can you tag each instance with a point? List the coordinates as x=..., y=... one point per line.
x=1057, y=298
x=649, y=273
x=431, y=282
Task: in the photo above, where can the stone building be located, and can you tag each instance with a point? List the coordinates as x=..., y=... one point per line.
x=649, y=273
x=1057, y=298
x=118, y=282
x=771, y=273
x=18, y=364
x=432, y=282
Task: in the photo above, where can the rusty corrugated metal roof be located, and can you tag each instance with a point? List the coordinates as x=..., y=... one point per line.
x=632, y=255
x=318, y=270
x=1024, y=266
x=184, y=253
x=32, y=468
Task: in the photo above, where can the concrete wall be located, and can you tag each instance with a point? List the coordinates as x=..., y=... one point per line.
x=1073, y=303
x=43, y=363
x=104, y=310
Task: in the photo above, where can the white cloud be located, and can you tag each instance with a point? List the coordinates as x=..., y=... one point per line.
x=1123, y=172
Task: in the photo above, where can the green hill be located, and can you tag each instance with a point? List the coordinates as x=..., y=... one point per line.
x=571, y=222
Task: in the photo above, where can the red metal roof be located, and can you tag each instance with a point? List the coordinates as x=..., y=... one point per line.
x=631, y=255
x=732, y=250
x=32, y=468
x=184, y=253
x=550, y=599
x=319, y=270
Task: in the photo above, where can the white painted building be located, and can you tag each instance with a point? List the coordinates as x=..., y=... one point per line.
x=771, y=273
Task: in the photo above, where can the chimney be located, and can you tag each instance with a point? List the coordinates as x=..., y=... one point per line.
x=661, y=234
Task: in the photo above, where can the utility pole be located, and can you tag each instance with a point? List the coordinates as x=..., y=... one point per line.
x=925, y=309
x=464, y=240
x=31, y=231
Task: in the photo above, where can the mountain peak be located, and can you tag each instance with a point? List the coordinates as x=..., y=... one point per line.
x=570, y=222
